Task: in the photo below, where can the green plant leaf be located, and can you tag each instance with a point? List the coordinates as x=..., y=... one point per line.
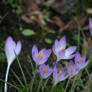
x=18, y=11
x=28, y=32
x=48, y=40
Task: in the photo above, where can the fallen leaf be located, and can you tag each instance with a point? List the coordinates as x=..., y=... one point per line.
x=58, y=22
x=28, y=32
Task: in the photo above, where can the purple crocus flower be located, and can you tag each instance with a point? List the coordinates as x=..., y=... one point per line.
x=90, y=26
x=59, y=74
x=45, y=71
x=72, y=69
x=80, y=61
x=11, y=50
x=59, y=49
x=42, y=56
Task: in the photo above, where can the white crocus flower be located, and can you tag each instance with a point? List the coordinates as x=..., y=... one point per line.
x=11, y=50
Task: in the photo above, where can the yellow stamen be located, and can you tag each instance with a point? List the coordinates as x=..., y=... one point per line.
x=71, y=68
x=40, y=55
x=80, y=60
x=59, y=71
x=45, y=71
x=63, y=48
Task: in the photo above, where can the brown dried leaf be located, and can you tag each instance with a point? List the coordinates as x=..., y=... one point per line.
x=78, y=19
x=73, y=24
x=87, y=46
x=32, y=13
x=58, y=22
x=62, y=6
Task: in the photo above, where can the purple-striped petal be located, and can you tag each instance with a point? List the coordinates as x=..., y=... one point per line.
x=72, y=69
x=90, y=26
x=34, y=50
x=62, y=42
x=60, y=55
x=77, y=56
x=34, y=53
x=59, y=75
x=70, y=50
x=42, y=51
x=69, y=57
x=48, y=53
x=56, y=45
x=45, y=71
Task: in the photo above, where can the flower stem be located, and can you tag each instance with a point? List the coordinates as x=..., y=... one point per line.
x=39, y=85
x=73, y=85
x=67, y=85
x=87, y=72
x=6, y=78
x=34, y=75
x=45, y=85
x=52, y=88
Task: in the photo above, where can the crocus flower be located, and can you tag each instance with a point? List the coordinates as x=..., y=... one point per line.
x=40, y=57
x=90, y=26
x=45, y=71
x=11, y=50
x=59, y=74
x=59, y=49
x=72, y=69
x=80, y=61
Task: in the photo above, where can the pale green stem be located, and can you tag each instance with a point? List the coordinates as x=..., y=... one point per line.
x=67, y=84
x=22, y=71
x=6, y=77
x=87, y=72
x=34, y=75
x=45, y=85
x=39, y=85
x=52, y=88
x=73, y=84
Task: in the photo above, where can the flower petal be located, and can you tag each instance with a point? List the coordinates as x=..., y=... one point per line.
x=47, y=72
x=85, y=64
x=42, y=51
x=48, y=53
x=18, y=48
x=60, y=55
x=62, y=42
x=77, y=57
x=90, y=25
x=34, y=53
x=69, y=57
x=35, y=50
x=56, y=45
x=9, y=49
x=70, y=50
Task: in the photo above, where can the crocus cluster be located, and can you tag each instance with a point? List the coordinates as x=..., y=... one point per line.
x=61, y=52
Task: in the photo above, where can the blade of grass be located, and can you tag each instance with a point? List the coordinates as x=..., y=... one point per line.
x=9, y=84
x=3, y=17
x=43, y=86
x=17, y=78
x=22, y=71
x=34, y=75
x=39, y=85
